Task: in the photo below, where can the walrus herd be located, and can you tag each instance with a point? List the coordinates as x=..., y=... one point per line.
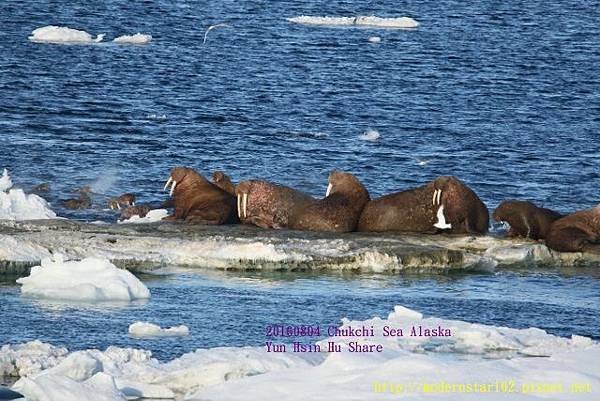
x=444, y=205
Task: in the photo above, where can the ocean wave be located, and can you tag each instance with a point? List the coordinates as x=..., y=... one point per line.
x=362, y=21
x=484, y=354
x=62, y=34
x=137, y=39
x=16, y=205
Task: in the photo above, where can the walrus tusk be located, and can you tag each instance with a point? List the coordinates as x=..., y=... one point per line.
x=168, y=182
x=173, y=188
x=245, y=204
x=441, y=223
x=118, y=206
x=437, y=197
x=329, y=188
x=239, y=207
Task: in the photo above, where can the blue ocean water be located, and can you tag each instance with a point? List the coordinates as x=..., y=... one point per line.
x=504, y=95
x=234, y=309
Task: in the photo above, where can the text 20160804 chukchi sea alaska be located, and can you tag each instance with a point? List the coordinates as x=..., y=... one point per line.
x=362, y=332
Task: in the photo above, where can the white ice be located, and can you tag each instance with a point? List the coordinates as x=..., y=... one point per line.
x=62, y=34
x=88, y=280
x=16, y=205
x=149, y=330
x=375, y=39
x=137, y=39
x=151, y=217
x=474, y=353
x=364, y=21
x=370, y=135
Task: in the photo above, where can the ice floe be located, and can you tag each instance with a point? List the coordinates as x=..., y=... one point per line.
x=16, y=205
x=149, y=330
x=151, y=217
x=361, y=20
x=370, y=135
x=62, y=34
x=137, y=39
x=472, y=354
x=88, y=280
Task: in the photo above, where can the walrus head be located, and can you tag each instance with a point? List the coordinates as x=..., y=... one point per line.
x=346, y=183
x=181, y=175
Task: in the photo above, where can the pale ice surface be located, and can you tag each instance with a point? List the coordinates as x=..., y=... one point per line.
x=149, y=330
x=370, y=135
x=361, y=20
x=375, y=39
x=88, y=280
x=151, y=217
x=137, y=39
x=474, y=353
x=17, y=205
x=62, y=34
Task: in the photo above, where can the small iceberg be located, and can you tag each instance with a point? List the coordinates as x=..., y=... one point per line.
x=88, y=280
x=62, y=34
x=149, y=330
x=370, y=135
x=16, y=205
x=137, y=39
x=361, y=20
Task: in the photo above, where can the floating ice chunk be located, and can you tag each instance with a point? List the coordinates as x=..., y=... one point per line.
x=369, y=135
x=5, y=181
x=145, y=329
x=137, y=39
x=29, y=358
x=100, y=387
x=62, y=34
x=151, y=217
x=366, y=21
x=16, y=205
x=375, y=39
x=88, y=280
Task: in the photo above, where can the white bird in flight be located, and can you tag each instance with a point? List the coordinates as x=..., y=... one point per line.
x=211, y=28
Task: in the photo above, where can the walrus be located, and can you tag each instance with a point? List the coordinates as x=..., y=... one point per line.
x=443, y=205
x=138, y=210
x=124, y=200
x=525, y=219
x=83, y=202
x=198, y=201
x=339, y=211
x=576, y=232
x=223, y=181
x=268, y=205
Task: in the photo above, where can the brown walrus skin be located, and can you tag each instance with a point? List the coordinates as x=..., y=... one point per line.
x=416, y=210
x=122, y=201
x=198, y=201
x=223, y=181
x=339, y=211
x=83, y=202
x=525, y=219
x=138, y=210
x=577, y=232
x=269, y=205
